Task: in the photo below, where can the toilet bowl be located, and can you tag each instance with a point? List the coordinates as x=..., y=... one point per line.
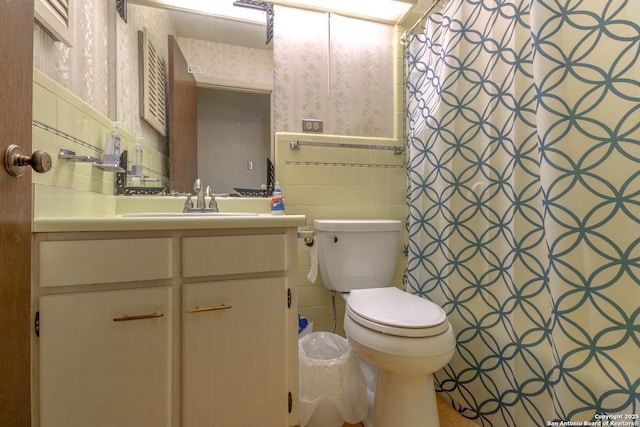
x=406, y=337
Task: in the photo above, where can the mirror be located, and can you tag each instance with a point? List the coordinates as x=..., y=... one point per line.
x=102, y=70
x=231, y=65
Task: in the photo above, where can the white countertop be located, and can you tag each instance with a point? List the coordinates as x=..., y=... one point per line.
x=120, y=223
x=66, y=210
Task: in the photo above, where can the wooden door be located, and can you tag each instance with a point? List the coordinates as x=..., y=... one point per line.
x=16, y=21
x=183, y=122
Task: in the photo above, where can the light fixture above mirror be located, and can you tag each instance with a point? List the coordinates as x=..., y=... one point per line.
x=248, y=11
x=390, y=11
x=221, y=8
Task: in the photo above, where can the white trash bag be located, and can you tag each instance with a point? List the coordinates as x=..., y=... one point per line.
x=332, y=387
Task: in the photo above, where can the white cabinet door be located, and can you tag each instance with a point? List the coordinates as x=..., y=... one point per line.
x=105, y=358
x=234, y=367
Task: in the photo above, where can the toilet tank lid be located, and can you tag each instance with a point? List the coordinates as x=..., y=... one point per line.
x=357, y=224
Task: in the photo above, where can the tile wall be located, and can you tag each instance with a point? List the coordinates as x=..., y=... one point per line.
x=333, y=183
x=63, y=120
x=338, y=183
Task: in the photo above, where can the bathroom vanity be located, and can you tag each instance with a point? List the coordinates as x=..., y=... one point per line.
x=169, y=321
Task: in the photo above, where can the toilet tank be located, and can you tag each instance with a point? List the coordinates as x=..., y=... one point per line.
x=356, y=254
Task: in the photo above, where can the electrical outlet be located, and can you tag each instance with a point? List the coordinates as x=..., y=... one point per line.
x=312, y=125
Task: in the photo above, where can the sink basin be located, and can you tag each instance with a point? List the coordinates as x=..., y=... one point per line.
x=186, y=214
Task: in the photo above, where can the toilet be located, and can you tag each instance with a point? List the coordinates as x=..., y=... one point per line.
x=406, y=337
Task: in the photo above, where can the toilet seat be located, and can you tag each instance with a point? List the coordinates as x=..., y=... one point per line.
x=396, y=312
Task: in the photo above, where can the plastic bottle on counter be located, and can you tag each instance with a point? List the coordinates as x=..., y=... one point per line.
x=277, y=201
x=136, y=167
x=111, y=154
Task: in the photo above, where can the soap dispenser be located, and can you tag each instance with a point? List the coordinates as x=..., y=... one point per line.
x=277, y=201
x=136, y=167
x=111, y=154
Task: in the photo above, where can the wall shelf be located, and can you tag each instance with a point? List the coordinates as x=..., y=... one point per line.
x=65, y=154
x=72, y=156
x=108, y=168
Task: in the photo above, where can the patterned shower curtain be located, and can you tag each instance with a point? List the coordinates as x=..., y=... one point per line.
x=523, y=141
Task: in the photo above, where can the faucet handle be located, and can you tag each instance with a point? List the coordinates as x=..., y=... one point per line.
x=212, y=203
x=188, y=204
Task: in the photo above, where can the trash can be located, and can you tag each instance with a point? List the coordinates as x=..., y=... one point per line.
x=333, y=389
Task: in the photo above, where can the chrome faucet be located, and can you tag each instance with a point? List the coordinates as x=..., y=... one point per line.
x=201, y=195
x=197, y=188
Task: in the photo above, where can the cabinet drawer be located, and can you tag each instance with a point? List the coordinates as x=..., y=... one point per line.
x=78, y=262
x=220, y=255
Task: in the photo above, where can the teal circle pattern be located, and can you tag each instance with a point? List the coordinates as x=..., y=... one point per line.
x=523, y=168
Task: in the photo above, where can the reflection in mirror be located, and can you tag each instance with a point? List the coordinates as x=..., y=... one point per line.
x=233, y=138
x=232, y=67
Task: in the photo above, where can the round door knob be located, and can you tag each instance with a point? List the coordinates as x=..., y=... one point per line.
x=16, y=161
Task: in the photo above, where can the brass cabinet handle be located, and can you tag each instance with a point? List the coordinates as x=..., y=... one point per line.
x=202, y=309
x=126, y=318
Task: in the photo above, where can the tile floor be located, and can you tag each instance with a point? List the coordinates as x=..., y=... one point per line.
x=449, y=417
